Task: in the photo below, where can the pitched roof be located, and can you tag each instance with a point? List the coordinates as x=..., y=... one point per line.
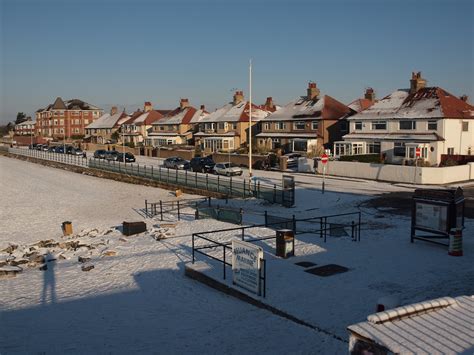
x=360, y=104
x=183, y=116
x=304, y=108
x=428, y=102
x=108, y=121
x=236, y=113
x=59, y=104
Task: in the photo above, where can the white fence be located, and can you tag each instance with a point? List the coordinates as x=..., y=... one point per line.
x=400, y=173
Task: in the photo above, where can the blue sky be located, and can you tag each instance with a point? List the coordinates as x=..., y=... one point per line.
x=128, y=52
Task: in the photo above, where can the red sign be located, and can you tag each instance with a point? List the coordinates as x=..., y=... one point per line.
x=418, y=152
x=324, y=158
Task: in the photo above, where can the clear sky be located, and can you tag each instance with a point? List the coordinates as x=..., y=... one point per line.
x=127, y=52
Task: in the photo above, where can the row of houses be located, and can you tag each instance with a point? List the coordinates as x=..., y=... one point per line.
x=428, y=118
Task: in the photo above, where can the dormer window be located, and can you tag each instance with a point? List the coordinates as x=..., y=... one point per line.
x=314, y=125
x=432, y=125
x=358, y=125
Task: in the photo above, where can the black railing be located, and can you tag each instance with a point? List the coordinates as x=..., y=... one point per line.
x=161, y=207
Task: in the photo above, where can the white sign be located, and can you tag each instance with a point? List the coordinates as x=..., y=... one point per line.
x=431, y=216
x=246, y=265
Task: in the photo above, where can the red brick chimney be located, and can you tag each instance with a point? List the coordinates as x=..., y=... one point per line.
x=203, y=108
x=183, y=103
x=416, y=82
x=313, y=91
x=269, y=103
x=238, y=97
x=464, y=98
x=148, y=106
x=113, y=110
x=370, y=94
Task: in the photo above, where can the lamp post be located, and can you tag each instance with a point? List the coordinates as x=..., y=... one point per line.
x=250, y=117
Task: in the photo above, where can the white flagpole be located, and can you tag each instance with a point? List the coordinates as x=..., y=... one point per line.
x=250, y=117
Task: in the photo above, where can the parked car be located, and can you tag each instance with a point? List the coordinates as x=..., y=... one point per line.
x=176, y=163
x=127, y=157
x=45, y=148
x=39, y=147
x=59, y=149
x=100, y=154
x=52, y=149
x=32, y=146
x=202, y=164
x=292, y=159
x=228, y=169
x=111, y=155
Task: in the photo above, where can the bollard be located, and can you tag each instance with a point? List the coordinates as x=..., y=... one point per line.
x=455, y=242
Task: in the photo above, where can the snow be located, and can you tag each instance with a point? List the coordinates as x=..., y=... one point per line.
x=140, y=300
x=106, y=121
x=300, y=107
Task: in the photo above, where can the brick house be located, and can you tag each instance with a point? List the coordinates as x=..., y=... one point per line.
x=136, y=129
x=27, y=128
x=177, y=127
x=100, y=131
x=428, y=118
x=305, y=124
x=227, y=128
x=66, y=119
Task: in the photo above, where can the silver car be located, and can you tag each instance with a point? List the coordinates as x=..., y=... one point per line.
x=228, y=169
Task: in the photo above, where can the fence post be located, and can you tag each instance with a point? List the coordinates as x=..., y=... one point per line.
x=146, y=207
x=320, y=227
x=176, y=177
x=179, y=216
x=230, y=187
x=186, y=177
x=218, y=183
x=207, y=181
x=196, y=179
x=258, y=194
x=274, y=193
x=209, y=201
x=358, y=232
x=196, y=214
x=244, y=189
x=168, y=178
x=243, y=234
x=193, y=249
x=241, y=216
x=352, y=231
x=266, y=218
x=161, y=209
x=254, y=187
x=152, y=171
x=325, y=228
x=223, y=248
x=294, y=224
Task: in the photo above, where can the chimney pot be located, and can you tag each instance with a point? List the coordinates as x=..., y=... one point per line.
x=148, y=106
x=183, y=103
x=464, y=98
x=113, y=110
x=238, y=97
x=203, y=107
x=370, y=94
x=416, y=82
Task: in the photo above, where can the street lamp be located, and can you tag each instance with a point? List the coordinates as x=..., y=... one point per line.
x=250, y=117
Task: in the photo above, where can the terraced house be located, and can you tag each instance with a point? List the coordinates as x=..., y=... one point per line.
x=66, y=119
x=101, y=130
x=177, y=127
x=227, y=128
x=428, y=118
x=305, y=124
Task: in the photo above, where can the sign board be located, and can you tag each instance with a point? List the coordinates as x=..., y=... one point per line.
x=246, y=265
x=418, y=152
x=431, y=216
x=324, y=158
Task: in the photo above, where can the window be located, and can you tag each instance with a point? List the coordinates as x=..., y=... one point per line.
x=266, y=126
x=280, y=125
x=162, y=128
x=221, y=125
x=373, y=148
x=314, y=125
x=399, y=149
x=450, y=151
x=408, y=125
x=298, y=125
x=465, y=126
x=358, y=125
x=432, y=125
x=379, y=125
x=357, y=148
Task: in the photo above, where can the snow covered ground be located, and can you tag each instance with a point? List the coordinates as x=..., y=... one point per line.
x=140, y=301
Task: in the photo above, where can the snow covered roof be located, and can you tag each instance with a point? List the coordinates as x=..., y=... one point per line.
x=73, y=104
x=429, y=137
x=441, y=326
x=305, y=108
x=430, y=102
x=236, y=113
x=183, y=116
x=26, y=123
x=360, y=104
x=108, y=121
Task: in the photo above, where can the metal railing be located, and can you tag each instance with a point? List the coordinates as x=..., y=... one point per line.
x=70, y=159
x=161, y=207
